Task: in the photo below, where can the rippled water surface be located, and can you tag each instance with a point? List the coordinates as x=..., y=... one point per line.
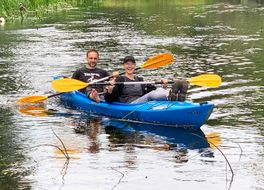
x=219, y=37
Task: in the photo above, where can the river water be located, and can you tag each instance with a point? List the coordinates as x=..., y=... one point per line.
x=203, y=36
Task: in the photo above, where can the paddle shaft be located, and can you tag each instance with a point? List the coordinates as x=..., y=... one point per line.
x=97, y=81
x=138, y=82
x=53, y=95
x=206, y=80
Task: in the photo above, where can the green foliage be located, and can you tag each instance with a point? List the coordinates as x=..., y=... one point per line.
x=11, y=8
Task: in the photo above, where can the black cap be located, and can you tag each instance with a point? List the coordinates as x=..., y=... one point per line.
x=129, y=58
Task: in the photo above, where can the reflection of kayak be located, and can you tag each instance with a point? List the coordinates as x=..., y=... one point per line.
x=174, y=113
x=173, y=136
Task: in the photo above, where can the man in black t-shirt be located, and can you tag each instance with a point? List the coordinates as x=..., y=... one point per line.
x=90, y=72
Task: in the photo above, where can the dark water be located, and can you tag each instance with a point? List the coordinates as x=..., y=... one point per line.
x=219, y=37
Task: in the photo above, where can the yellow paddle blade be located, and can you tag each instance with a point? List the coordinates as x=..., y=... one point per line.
x=31, y=99
x=207, y=80
x=68, y=85
x=158, y=61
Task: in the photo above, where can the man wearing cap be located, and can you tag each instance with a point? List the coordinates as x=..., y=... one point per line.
x=134, y=93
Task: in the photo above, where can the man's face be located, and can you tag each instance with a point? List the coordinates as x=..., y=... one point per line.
x=92, y=59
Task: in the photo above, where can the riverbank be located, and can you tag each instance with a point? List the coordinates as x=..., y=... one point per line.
x=15, y=9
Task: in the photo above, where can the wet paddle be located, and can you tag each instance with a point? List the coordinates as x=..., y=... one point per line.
x=63, y=85
x=205, y=80
x=35, y=99
x=67, y=84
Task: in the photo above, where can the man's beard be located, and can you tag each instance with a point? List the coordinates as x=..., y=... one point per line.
x=92, y=64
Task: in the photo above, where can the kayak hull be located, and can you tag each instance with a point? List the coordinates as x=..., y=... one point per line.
x=178, y=114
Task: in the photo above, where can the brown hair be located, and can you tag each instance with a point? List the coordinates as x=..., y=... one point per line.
x=92, y=50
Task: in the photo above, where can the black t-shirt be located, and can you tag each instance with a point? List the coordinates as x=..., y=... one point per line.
x=87, y=75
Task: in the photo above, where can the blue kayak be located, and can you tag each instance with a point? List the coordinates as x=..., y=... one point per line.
x=173, y=113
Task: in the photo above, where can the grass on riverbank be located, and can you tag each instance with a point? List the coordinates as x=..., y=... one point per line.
x=12, y=9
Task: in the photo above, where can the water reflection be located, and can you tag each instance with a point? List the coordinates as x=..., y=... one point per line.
x=33, y=110
x=129, y=136
x=140, y=133
x=92, y=128
x=12, y=158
